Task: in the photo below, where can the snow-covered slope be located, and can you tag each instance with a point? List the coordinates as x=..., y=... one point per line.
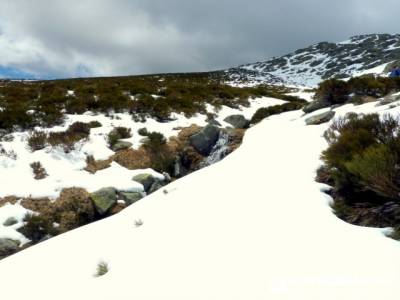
x=308, y=66
x=253, y=226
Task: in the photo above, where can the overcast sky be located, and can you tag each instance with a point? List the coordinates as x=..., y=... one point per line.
x=54, y=38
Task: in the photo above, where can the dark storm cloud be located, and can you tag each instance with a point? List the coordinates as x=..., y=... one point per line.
x=99, y=37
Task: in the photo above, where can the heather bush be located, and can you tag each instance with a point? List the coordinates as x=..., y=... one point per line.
x=37, y=140
x=363, y=156
x=117, y=134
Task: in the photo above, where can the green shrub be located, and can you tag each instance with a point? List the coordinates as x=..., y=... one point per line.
x=333, y=91
x=143, y=131
x=363, y=156
x=117, y=134
x=161, y=156
x=265, y=112
x=95, y=124
x=102, y=269
x=37, y=227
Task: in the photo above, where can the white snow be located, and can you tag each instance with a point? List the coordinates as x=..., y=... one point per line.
x=253, y=226
x=17, y=212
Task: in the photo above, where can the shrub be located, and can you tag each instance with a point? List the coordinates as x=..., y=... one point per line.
x=117, y=134
x=161, y=156
x=363, y=156
x=38, y=170
x=37, y=227
x=143, y=132
x=79, y=128
x=265, y=112
x=37, y=140
x=67, y=139
x=102, y=269
x=333, y=91
x=95, y=124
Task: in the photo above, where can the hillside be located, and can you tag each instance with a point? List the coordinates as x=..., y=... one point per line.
x=311, y=65
x=255, y=225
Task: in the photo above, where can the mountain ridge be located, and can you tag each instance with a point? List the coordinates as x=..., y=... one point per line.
x=310, y=65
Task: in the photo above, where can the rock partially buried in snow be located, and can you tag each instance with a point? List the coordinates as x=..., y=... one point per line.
x=389, y=99
x=155, y=186
x=320, y=118
x=237, y=121
x=8, y=247
x=205, y=139
x=146, y=180
x=10, y=222
x=315, y=105
x=131, y=197
x=104, y=199
x=121, y=145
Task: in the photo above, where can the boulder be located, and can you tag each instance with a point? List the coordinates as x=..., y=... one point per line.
x=145, y=179
x=131, y=197
x=8, y=247
x=389, y=99
x=204, y=141
x=315, y=105
x=155, y=186
x=104, y=199
x=237, y=121
x=121, y=145
x=10, y=221
x=320, y=118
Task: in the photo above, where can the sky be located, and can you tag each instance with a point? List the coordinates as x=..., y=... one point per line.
x=77, y=38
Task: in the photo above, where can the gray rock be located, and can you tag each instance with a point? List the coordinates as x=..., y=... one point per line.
x=237, y=121
x=205, y=139
x=320, y=118
x=155, y=186
x=121, y=145
x=146, y=180
x=389, y=99
x=315, y=105
x=8, y=247
x=10, y=221
x=131, y=197
x=104, y=199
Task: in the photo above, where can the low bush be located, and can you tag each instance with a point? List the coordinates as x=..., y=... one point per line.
x=95, y=124
x=117, y=134
x=363, y=157
x=161, y=156
x=37, y=140
x=38, y=170
x=265, y=112
x=102, y=269
x=67, y=139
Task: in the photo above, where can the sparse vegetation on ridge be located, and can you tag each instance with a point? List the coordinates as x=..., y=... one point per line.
x=25, y=105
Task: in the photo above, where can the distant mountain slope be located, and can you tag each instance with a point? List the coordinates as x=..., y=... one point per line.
x=308, y=66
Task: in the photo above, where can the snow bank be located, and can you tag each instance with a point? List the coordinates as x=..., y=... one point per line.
x=253, y=226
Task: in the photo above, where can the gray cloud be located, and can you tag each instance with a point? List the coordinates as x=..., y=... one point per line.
x=119, y=37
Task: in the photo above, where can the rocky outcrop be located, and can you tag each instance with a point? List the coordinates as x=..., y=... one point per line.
x=8, y=247
x=131, y=197
x=320, y=118
x=237, y=121
x=205, y=139
x=146, y=180
x=389, y=99
x=315, y=105
x=10, y=222
x=121, y=145
x=104, y=199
